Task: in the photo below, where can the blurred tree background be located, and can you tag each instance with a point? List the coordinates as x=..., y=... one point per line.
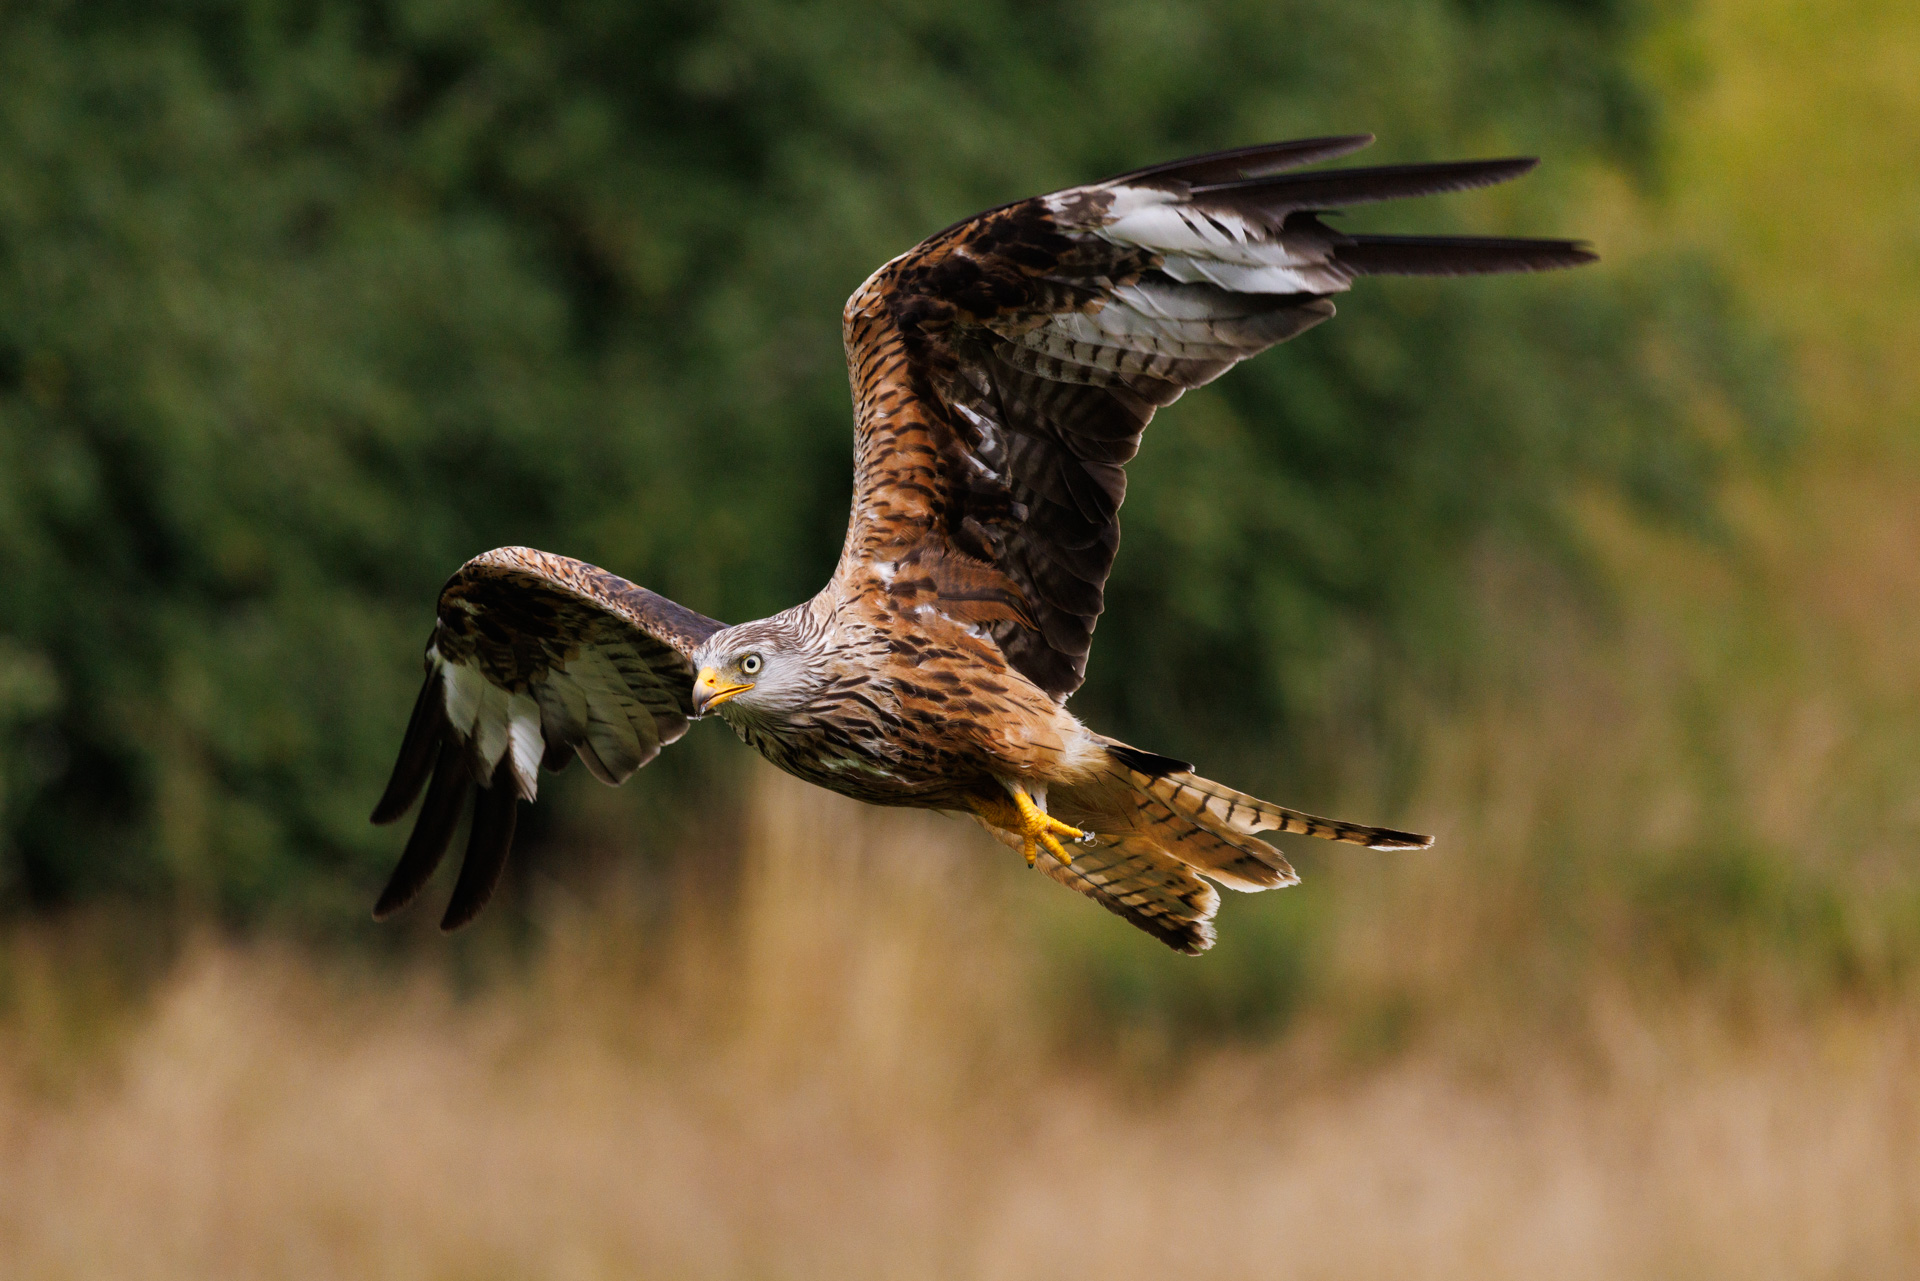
x=302, y=303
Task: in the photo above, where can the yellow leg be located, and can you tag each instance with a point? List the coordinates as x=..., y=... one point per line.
x=1038, y=829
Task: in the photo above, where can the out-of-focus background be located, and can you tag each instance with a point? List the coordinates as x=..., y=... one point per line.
x=1609, y=577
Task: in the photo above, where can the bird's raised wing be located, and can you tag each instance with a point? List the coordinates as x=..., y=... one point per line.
x=1003, y=370
x=535, y=658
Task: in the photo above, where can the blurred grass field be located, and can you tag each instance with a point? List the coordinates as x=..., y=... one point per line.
x=866, y=1077
x=1649, y=1009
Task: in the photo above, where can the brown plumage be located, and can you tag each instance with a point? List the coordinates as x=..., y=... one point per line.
x=1002, y=371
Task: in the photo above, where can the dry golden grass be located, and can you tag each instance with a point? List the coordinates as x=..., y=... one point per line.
x=859, y=1082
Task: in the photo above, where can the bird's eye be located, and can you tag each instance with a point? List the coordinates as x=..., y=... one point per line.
x=751, y=664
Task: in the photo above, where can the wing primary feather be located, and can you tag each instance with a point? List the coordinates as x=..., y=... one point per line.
x=426, y=730
x=439, y=815
x=557, y=755
x=1331, y=188
x=1457, y=255
x=595, y=766
x=1247, y=162
x=525, y=745
x=495, y=812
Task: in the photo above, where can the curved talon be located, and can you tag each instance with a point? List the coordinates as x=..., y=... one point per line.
x=1055, y=848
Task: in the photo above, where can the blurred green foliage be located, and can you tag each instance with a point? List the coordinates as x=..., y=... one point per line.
x=302, y=303
x=1716, y=912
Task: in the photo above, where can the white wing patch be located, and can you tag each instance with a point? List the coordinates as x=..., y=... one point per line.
x=1223, y=248
x=490, y=726
x=464, y=686
x=525, y=743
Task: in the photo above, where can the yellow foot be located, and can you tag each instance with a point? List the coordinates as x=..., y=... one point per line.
x=1039, y=830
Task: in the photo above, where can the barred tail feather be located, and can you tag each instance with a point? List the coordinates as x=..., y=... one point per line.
x=1132, y=877
x=1218, y=807
x=1235, y=859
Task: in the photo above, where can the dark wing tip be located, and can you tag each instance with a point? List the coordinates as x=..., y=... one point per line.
x=1388, y=839
x=496, y=810
x=1241, y=163
x=1459, y=255
x=418, y=749
x=1336, y=188
x=432, y=831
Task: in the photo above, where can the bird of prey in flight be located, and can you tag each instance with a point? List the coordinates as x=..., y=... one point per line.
x=1003, y=371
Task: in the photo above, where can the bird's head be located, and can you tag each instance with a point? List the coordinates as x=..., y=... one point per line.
x=761, y=669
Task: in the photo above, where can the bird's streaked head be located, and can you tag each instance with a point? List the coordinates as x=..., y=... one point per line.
x=755, y=668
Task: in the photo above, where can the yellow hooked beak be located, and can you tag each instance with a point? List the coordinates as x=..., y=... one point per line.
x=709, y=691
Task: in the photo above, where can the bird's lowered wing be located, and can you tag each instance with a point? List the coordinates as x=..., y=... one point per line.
x=534, y=658
x=1004, y=369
